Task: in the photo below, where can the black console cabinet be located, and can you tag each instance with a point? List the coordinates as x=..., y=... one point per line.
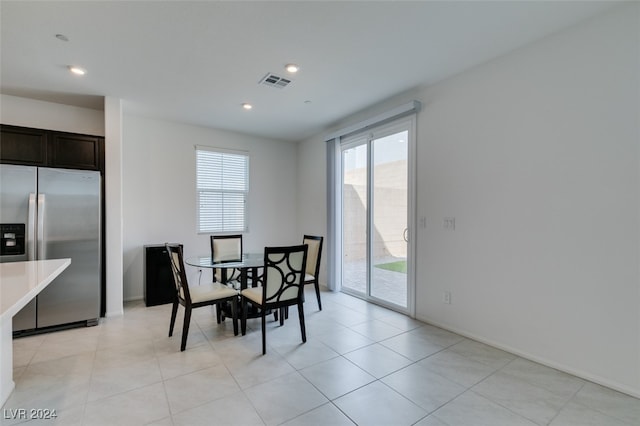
x=158, y=278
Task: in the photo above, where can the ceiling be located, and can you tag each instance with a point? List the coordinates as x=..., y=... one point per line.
x=197, y=62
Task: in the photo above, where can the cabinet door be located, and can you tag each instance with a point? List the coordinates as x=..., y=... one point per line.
x=76, y=151
x=20, y=145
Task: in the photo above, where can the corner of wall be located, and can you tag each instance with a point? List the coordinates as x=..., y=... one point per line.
x=113, y=197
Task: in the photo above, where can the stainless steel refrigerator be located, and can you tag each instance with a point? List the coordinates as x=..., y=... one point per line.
x=50, y=213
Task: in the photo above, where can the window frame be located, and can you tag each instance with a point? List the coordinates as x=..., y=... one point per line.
x=222, y=191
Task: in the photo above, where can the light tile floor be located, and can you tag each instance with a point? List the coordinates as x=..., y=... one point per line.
x=362, y=364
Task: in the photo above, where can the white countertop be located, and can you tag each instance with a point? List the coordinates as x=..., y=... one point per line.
x=20, y=282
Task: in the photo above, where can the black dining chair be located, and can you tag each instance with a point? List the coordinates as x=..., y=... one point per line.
x=284, y=269
x=226, y=248
x=313, y=263
x=194, y=297
x=312, y=271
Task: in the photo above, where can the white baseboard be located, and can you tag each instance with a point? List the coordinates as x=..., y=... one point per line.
x=117, y=313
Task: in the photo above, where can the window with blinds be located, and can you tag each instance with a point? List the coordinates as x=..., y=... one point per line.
x=222, y=180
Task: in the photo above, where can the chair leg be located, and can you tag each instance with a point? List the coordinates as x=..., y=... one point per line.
x=282, y=316
x=302, y=327
x=286, y=312
x=174, y=312
x=318, y=294
x=185, y=328
x=243, y=323
x=234, y=315
x=218, y=312
x=264, y=332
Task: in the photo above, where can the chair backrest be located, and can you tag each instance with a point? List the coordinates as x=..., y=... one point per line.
x=283, y=273
x=314, y=254
x=177, y=268
x=226, y=248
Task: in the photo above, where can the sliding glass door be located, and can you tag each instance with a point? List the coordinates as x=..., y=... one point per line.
x=389, y=236
x=355, y=218
x=376, y=215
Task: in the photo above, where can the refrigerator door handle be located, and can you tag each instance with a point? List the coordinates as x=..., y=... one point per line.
x=42, y=248
x=31, y=228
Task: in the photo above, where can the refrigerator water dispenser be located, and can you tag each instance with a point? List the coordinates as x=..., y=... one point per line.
x=12, y=239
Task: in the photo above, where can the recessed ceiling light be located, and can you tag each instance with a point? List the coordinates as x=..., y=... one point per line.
x=292, y=68
x=247, y=106
x=77, y=70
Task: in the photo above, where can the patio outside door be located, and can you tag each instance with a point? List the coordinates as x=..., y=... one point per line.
x=375, y=215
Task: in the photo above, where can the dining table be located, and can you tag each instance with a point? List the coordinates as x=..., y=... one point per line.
x=248, y=266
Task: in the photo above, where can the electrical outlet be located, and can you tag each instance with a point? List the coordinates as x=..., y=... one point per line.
x=446, y=297
x=449, y=223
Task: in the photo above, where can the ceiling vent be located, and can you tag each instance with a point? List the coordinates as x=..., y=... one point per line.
x=273, y=80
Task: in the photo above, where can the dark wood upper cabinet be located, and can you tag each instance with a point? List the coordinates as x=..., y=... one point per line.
x=48, y=148
x=76, y=151
x=20, y=145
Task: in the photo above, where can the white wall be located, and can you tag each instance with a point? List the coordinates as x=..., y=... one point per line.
x=160, y=197
x=312, y=195
x=113, y=201
x=24, y=112
x=536, y=155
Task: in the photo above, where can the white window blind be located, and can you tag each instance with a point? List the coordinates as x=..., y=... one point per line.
x=223, y=189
